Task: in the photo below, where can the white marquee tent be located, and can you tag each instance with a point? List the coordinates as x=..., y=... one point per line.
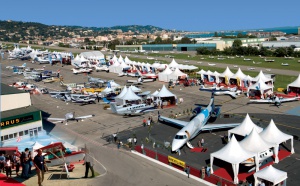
x=244, y=128
x=176, y=74
x=128, y=96
x=273, y=135
x=163, y=76
x=261, y=86
x=254, y=143
x=173, y=64
x=262, y=76
x=270, y=174
x=235, y=154
x=239, y=76
x=295, y=84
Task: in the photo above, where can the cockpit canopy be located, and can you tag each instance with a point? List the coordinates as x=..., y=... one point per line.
x=180, y=137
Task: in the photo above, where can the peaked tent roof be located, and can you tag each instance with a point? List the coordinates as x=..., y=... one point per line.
x=262, y=76
x=155, y=93
x=127, y=59
x=227, y=73
x=130, y=95
x=124, y=90
x=239, y=74
x=296, y=83
x=36, y=146
x=272, y=134
x=254, y=143
x=166, y=71
x=245, y=127
x=164, y=92
x=271, y=174
x=261, y=85
x=177, y=72
x=201, y=72
x=233, y=152
x=120, y=59
x=173, y=64
x=134, y=88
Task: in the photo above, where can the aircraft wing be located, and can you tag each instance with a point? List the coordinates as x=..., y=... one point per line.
x=84, y=117
x=173, y=121
x=147, y=80
x=56, y=119
x=288, y=99
x=219, y=126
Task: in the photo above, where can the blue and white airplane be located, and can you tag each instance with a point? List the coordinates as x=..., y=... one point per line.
x=131, y=110
x=197, y=124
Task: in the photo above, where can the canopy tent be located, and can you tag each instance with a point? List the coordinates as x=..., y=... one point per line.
x=36, y=146
x=244, y=128
x=273, y=135
x=121, y=60
x=270, y=174
x=154, y=93
x=238, y=77
x=260, y=88
x=135, y=89
x=294, y=86
x=114, y=59
x=165, y=96
x=201, y=72
x=106, y=90
x=129, y=96
x=112, y=84
x=114, y=67
x=127, y=60
x=254, y=143
x=173, y=64
x=235, y=154
x=120, y=68
x=176, y=74
x=224, y=77
x=123, y=92
x=163, y=76
x=262, y=76
x=92, y=54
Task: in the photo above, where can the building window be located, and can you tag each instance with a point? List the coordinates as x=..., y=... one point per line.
x=6, y=137
x=1, y=138
x=15, y=135
x=26, y=132
x=11, y=136
x=21, y=133
x=39, y=129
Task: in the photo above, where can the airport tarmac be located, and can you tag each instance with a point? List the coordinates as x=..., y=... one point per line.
x=120, y=167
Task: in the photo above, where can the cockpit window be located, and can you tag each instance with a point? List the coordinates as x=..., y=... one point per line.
x=180, y=137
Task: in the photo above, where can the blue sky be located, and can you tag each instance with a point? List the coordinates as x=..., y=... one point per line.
x=191, y=15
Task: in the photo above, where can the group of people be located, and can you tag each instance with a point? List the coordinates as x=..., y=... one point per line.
x=26, y=162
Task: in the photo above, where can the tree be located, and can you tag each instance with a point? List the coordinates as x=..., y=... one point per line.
x=237, y=43
x=185, y=40
x=158, y=40
x=273, y=38
x=86, y=40
x=216, y=34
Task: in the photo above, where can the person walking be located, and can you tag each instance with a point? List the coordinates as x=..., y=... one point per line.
x=202, y=142
x=30, y=162
x=188, y=171
x=2, y=162
x=17, y=163
x=25, y=163
x=208, y=171
x=88, y=162
x=39, y=163
x=8, y=164
x=135, y=140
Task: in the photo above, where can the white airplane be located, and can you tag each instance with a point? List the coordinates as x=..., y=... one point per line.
x=197, y=124
x=277, y=101
x=131, y=109
x=232, y=92
x=70, y=116
x=95, y=80
x=82, y=70
x=269, y=60
x=17, y=67
x=84, y=99
x=101, y=68
x=247, y=59
x=139, y=81
x=251, y=68
x=148, y=75
x=150, y=58
x=211, y=64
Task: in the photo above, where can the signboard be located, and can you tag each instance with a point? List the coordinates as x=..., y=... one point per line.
x=176, y=161
x=19, y=120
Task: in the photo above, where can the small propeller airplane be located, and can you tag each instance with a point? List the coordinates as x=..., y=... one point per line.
x=70, y=116
x=276, y=101
x=232, y=92
x=139, y=81
x=95, y=80
x=131, y=110
x=197, y=123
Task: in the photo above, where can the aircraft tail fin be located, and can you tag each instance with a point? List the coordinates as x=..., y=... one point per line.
x=24, y=65
x=113, y=107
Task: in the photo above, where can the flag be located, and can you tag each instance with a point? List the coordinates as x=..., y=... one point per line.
x=19, y=139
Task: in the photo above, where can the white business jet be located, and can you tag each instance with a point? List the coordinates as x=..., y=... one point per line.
x=132, y=109
x=198, y=123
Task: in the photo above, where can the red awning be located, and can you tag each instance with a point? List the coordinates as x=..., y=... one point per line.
x=8, y=148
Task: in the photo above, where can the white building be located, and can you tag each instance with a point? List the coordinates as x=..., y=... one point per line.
x=18, y=116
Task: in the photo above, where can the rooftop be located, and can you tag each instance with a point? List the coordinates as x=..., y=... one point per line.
x=18, y=111
x=5, y=90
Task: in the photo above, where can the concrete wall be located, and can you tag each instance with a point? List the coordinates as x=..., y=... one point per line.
x=14, y=101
